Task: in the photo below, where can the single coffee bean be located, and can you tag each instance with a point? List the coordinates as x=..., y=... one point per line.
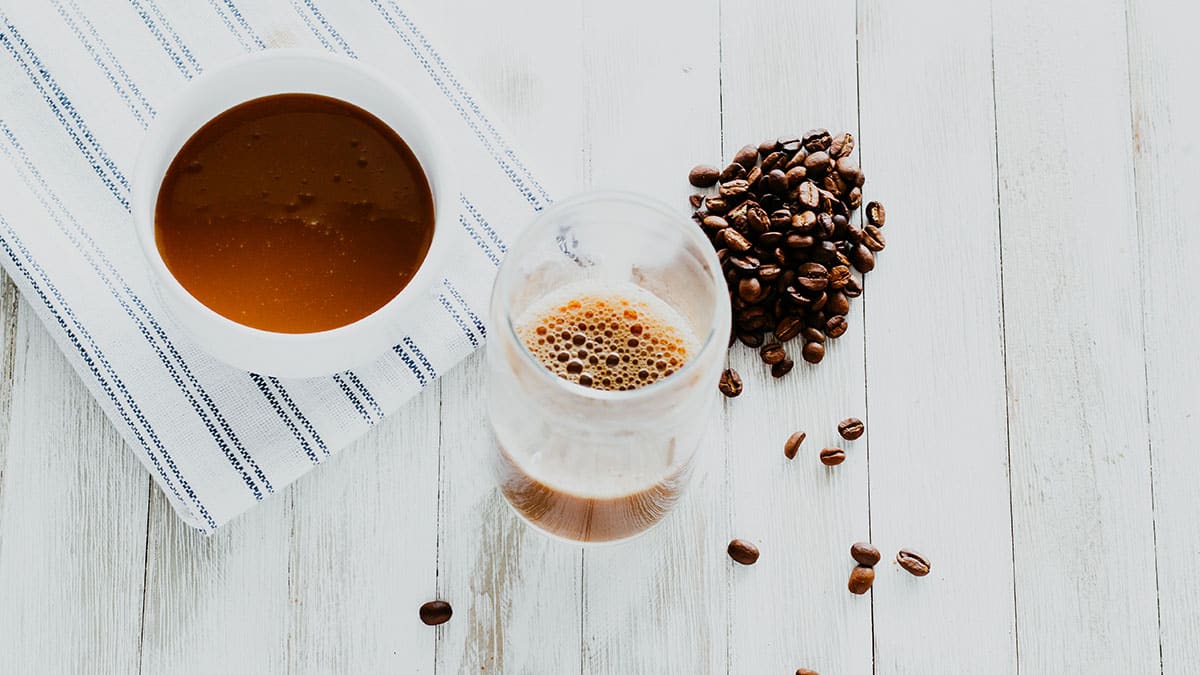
x=795, y=176
x=714, y=223
x=792, y=445
x=782, y=368
x=735, y=240
x=863, y=258
x=716, y=205
x=816, y=140
x=756, y=219
x=834, y=182
x=769, y=240
x=767, y=147
x=864, y=554
x=876, y=214
x=780, y=219
x=813, y=352
x=806, y=671
x=851, y=428
x=861, y=578
x=838, y=304
x=853, y=288
x=775, y=160
x=769, y=273
x=805, y=222
x=825, y=226
x=797, y=159
x=795, y=240
x=752, y=339
x=836, y=326
x=788, y=144
x=809, y=194
x=914, y=563
x=833, y=456
x=703, y=175
x=872, y=238
x=818, y=163
x=734, y=189
x=696, y=200
x=813, y=334
x=747, y=156
x=732, y=172
x=753, y=177
x=745, y=265
x=743, y=552
x=752, y=290
x=854, y=199
x=772, y=353
x=788, y=328
x=435, y=612
x=777, y=181
x=731, y=383
x=838, y=276
x=841, y=145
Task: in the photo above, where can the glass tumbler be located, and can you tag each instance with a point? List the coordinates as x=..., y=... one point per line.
x=589, y=464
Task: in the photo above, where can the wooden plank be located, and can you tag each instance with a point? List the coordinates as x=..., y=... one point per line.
x=73, y=504
x=1166, y=150
x=787, y=67
x=935, y=361
x=657, y=604
x=1080, y=473
x=364, y=550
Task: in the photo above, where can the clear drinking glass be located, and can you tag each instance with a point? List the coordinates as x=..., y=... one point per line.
x=592, y=465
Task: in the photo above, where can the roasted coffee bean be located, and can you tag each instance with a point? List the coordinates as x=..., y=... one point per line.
x=812, y=277
x=795, y=176
x=769, y=240
x=792, y=445
x=775, y=160
x=731, y=383
x=703, y=175
x=847, y=167
x=818, y=163
x=834, y=182
x=812, y=334
x=804, y=222
x=818, y=302
x=851, y=428
x=853, y=288
x=753, y=177
x=816, y=140
x=861, y=578
x=863, y=258
x=746, y=265
x=782, y=368
x=796, y=240
x=767, y=147
x=853, y=234
x=806, y=671
x=864, y=554
x=733, y=172
x=787, y=328
x=838, y=276
x=752, y=290
x=780, y=219
x=825, y=225
x=733, y=190
x=872, y=238
x=876, y=214
x=756, y=219
x=735, y=240
x=743, y=552
x=716, y=205
x=836, y=326
x=747, y=156
x=769, y=273
x=809, y=194
x=696, y=200
x=838, y=304
x=797, y=159
x=777, y=181
x=752, y=340
x=854, y=199
x=813, y=352
x=714, y=223
x=832, y=456
x=914, y=563
x=772, y=353
x=788, y=144
x=841, y=145
x=435, y=612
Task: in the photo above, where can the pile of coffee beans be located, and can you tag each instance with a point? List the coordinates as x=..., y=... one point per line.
x=780, y=222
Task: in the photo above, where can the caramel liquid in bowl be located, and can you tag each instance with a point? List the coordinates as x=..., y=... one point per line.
x=294, y=213
x=612, y=339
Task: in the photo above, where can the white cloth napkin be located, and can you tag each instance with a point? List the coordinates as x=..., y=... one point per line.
x=79, y=84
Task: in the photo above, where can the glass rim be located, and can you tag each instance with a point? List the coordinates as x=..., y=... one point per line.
x=720, y=297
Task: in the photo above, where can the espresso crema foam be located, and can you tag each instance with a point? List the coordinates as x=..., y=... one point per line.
x=606, y=339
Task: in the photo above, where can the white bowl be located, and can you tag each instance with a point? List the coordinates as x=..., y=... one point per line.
x=278, y=72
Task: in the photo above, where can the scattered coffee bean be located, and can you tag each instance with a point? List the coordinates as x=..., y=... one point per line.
x=861, y=578
x=914, y=563
x=833, y=456
x=792, y=445
x=703, y=175
x=851, y=428
x=781, y=224
x=743, y=552
x=806, y=671
x=864, y=554
x=435, y=612
x=731, y=383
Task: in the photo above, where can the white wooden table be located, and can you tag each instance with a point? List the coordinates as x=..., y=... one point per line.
x=1024, y=357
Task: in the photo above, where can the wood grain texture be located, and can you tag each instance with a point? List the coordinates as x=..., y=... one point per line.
x=651, y=108
x=935, y=362
x=1163, y=55
x=1080, y=471
x=788, y=67
x=72, y=517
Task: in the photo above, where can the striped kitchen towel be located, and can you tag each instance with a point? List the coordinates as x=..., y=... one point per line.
x=81, y=82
